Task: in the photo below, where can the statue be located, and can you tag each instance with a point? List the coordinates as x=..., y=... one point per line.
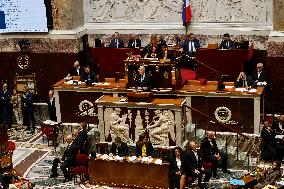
x=118, y=126
x=159, y=131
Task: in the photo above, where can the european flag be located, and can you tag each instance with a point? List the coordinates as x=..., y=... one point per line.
x=2, y=20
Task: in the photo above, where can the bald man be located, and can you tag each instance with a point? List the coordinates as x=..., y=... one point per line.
x=67, y=160
x=191, y=166
x=77, y=70
x=212, y=154
x=259, y=75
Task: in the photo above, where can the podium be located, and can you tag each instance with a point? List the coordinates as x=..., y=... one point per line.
x=164, y=73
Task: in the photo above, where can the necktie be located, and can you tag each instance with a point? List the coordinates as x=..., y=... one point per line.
x=191, y=50
x=227, y=44
x=135, y=43
x=116, y=43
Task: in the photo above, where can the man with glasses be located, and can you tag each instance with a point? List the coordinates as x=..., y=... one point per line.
x=259, y=75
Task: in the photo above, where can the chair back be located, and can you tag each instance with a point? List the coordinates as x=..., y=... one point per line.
x=194, y=82
x=81, y=159
x=212, y=83
x=212, y=45
x=102, y=148
x=110, y=80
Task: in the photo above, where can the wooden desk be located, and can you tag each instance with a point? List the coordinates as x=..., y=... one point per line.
x=239, y=110
x=227, y=62
x=164, y=73
x=128, y=174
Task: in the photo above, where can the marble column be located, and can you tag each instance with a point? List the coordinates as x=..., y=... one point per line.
x=278, y=15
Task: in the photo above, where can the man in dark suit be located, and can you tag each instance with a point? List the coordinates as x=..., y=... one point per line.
x=68, y=160
x=243, y=80
x=191, y=165
x=259, y=75
x=28, y=109
x=119, y=148
x=77, y=70
x=143, y=147
x=212, y=154
x=98, y=43
x=143, y=81
x=82, y=138
x=227, y=43
x=191, y=44
x=271, y=175
x=88, y=76
x=116, y=42
x=51, y=106
x=134, y=42
x=6, y=107
x=270, y=145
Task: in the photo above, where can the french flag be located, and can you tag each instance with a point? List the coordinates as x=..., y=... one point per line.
x=186, y=13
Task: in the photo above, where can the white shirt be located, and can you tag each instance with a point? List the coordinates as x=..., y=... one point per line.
x=191, y=47
x=178, y=162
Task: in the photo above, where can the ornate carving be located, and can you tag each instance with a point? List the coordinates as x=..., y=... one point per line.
x=118, y=126
x=86, y=108
x=139, y=125
x=223, y=114
x=159, y=130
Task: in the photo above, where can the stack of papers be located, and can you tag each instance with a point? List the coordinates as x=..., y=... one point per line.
x=158, y=162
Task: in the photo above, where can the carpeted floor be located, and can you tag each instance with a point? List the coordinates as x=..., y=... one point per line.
x=33, y=159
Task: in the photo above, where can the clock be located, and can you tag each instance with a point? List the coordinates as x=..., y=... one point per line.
x=23, y=61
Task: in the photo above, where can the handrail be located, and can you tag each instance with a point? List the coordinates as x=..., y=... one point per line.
x=207, y=66
x=213, y=119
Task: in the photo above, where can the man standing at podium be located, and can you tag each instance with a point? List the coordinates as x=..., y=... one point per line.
x=116, y=42
x=143, y=80
x=227, y=43
x=191, y=44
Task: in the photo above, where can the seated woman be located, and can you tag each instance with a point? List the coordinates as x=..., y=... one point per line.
x=270, y=176
x=174, y=168
x=153, y=50
x=144, y=147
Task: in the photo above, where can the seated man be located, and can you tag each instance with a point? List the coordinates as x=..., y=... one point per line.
x=227, y=43
x=259, y=75
x=270, y=176
x=191, y=44
x=191, y=166
x=270, y=145
x=242, y=80
x=212, y=154
x=68, y=160
x=144, y=147
x=116, y=42
x=143, y=81
x=134, y=42
x=88, y=76
x=278, y=125
x=77, y=70
x=119, y=148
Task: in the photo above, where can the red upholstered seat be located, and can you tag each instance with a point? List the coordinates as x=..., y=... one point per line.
x=81, y=167
x=11, y=146
x=50, y=133
x=187, y=74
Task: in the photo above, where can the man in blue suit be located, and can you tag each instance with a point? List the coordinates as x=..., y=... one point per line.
x=191, y=44
x=28, y=109
x=227, y=43
x=6, y=107
x=116, y=42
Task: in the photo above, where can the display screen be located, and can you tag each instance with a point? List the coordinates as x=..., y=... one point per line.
x=23, y=16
